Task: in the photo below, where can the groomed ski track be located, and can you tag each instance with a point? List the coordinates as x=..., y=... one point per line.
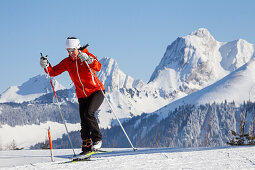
x=144, y=158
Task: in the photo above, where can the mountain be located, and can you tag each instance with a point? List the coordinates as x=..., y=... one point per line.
x=30, y=90
x=197, y=60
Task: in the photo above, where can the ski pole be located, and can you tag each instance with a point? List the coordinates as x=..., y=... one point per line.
x=64, y=122
x=111, y=108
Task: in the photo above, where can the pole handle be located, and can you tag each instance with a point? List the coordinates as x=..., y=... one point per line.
x=44, y=57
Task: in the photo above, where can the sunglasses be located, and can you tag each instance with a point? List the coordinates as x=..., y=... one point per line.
x=70, y=50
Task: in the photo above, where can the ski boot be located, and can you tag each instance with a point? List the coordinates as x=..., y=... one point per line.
x=86, y=150
x=96, y=145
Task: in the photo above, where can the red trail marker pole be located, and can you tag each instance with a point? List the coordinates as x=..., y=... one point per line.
x=51, y=148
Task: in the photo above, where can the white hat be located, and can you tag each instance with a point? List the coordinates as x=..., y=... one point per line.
x=73, y=43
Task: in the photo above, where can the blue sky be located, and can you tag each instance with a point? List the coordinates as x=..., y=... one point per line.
x=135, y=32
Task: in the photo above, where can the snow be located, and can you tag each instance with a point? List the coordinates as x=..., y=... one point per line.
x=146, y=158
x=228, y=88
x=11, y=95
x=28, y=135
x=163, y=75
x=29, y=90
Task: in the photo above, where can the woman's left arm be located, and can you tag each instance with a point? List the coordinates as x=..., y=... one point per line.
x=95, y=64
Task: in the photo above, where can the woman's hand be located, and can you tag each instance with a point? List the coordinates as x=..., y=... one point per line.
x=84, y=57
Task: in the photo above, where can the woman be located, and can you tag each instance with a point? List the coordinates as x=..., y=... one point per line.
x=88, y=89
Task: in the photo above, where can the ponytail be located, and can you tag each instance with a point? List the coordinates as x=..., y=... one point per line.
x=83, y=47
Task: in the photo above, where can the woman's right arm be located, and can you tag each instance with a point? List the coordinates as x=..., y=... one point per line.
x=57, y=69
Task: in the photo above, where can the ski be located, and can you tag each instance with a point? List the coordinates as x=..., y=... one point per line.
x=73, y=161
x=101, y=151
x=79, y=158
x=85, y=157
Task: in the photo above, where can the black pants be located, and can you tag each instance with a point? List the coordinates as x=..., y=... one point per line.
x=87, y=107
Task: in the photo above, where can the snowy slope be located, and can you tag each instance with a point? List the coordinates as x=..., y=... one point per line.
x=239, y=86
x=31, y=89
x=163, y=158
x=27, y=135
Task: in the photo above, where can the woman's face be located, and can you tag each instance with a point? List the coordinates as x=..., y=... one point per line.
x=73, y=52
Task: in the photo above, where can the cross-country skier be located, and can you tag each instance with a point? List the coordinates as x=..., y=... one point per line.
x=87, y=89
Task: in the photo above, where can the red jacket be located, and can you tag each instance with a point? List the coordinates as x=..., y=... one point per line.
x=85, y=84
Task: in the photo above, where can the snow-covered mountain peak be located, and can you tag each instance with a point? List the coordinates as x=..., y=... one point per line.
x=202, y=41
x=202, y=33
x=109, y=62
x=114, y=78
x=197, y=60
x=38, y=84
x=193, y=50
x=29, y=90
x=235, y=54
x=192, y=62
